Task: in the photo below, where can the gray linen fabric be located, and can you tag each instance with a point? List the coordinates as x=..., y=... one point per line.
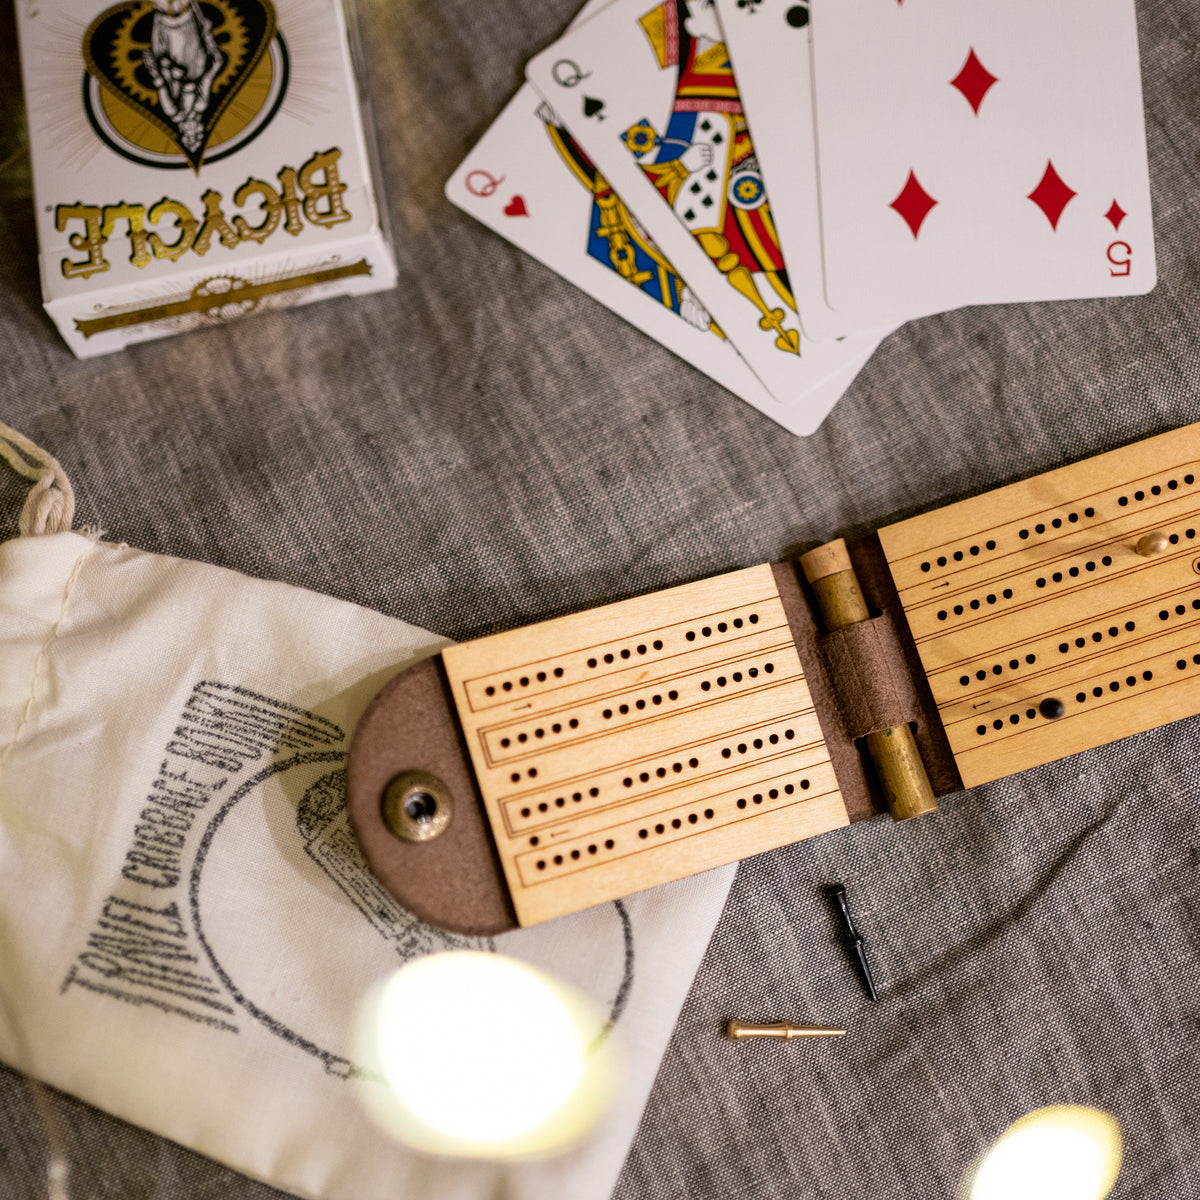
x=486, y=446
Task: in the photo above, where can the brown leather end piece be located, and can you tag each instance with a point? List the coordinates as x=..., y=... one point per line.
x=867, y=666
x=853, y=782
x=454, y=880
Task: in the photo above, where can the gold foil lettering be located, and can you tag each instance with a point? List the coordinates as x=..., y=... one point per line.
x=214, y=222
x=271, y=207
x=313, y=194
x=135, y=214
x=184, y=222
x=290, y=197
x=330, y=190
x=90, y=240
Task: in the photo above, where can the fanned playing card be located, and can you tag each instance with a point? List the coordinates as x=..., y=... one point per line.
x=769, y=43
x=648, y=93
x=974, y=152
x=529, y=180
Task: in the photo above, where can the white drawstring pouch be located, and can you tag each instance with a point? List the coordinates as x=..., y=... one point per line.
x=187, y=928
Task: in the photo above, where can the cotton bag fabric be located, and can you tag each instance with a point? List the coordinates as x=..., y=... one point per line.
x=186, y=926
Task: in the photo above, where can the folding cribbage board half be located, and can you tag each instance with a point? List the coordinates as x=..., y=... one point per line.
x=536, y=772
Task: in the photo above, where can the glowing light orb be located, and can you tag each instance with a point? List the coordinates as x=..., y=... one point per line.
x=1059, y=1153
x=481, y=1056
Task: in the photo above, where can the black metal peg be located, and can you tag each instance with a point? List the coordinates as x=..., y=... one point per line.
x=838, y=892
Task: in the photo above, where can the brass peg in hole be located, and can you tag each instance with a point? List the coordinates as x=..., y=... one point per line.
x=738, y=1030
x=1150, y=544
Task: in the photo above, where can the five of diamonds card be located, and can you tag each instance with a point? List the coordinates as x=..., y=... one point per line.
x=768, y=187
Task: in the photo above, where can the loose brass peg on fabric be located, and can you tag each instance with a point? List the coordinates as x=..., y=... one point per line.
x=739, y=1031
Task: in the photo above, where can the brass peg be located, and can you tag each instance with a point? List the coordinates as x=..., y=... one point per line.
x=1150, y=544
x=739, y=1030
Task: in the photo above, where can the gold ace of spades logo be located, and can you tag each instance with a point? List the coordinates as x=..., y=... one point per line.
x=177, y=83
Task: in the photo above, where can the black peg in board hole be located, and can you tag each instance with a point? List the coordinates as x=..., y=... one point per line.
x=1052, y=708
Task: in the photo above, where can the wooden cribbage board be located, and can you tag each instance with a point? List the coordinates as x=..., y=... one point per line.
x=598, y=754
x=640, y=742
x=1037, y=592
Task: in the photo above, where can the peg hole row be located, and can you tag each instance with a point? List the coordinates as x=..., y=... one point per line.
x=720, y=681
x=540, y=732
x=998, y=669
x=676, y=823
x=1165, y=614
x=958, y=556
x=660, y=772
x=1073, y=572
x=1156, y=490
x=1097, y=635
x=721, y=627
x=1056, y=523
x=1115, y=685
x=1013, y=719
x=757, y=743
x=574, y=855
x=1098, y=690
x=524, y=681
x=773, y=793
x=625, y=653
x=638, y=705
x=976, y=604
x=559, y=802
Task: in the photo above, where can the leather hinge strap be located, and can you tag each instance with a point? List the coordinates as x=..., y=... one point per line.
x=871, y=684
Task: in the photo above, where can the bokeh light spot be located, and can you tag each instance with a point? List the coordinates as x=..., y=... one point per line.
x=1064, y=1152
x=482, y=1056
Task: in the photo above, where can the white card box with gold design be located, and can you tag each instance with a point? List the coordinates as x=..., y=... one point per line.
x=195, y=161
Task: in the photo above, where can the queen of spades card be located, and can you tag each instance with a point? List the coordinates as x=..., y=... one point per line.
x=703, y=162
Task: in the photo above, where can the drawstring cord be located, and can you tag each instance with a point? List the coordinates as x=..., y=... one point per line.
x=50, y=505
x=49, y=508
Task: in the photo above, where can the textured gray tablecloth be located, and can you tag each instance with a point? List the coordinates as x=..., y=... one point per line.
x=486, y=446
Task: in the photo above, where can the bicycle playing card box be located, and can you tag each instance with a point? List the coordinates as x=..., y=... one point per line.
x=195, y=161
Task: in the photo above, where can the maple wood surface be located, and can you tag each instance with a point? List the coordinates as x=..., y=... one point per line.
x=642, y=741
x=1034, y=598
